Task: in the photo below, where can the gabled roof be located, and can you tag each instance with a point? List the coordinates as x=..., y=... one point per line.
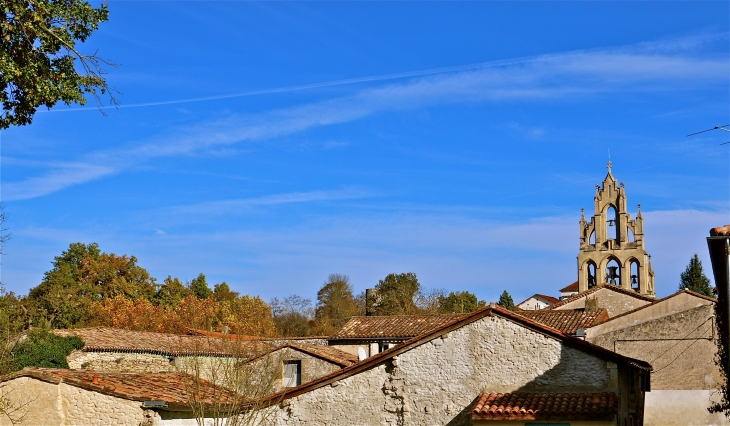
x=545, y=297
x=327, y=353
x=567, y=321
x=165, y=387
x=601, y=287
x=545, y=406
x=570, y=287
x=458, y=322
x=106, y=339
x=396, y=326
x=657, y=301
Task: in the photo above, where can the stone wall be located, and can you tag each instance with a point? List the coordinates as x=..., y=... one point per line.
x=119, y=362
x=615, y=303
x=681, y=408
x=45, y=403
x=437, y=382
x=678, y=364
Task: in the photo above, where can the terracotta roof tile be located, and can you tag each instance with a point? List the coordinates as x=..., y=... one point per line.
x=570, y=287
x=567, y=321
x=106, y=339
x=600, y=287
x=720, y=231
x=329, y=353
x=165, y=387
x=400, y=326
x=545, y=406
x=549, y=298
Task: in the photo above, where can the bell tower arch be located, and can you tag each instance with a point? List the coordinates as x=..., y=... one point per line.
x=612, y=244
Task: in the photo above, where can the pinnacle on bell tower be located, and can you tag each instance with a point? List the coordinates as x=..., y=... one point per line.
x=612, y=244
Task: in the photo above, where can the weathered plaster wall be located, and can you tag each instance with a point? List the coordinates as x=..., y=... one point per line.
x=681, y=408
x=680, y=302
x=51, y=404
x=119, y=362
x=312, y=367
x=614, y=302
x=437, y=382
x=678, y=364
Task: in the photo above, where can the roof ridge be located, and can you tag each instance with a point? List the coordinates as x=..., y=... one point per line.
x=595, y=289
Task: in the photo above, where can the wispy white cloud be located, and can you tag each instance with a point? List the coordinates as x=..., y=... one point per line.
x=657, y=66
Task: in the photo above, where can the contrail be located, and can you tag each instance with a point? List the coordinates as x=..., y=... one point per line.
x=383, y=77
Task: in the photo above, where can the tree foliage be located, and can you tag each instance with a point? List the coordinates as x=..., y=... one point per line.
x=505, y=301
x=335, y=305
x=292, y=316
x=396, y=294
x=41, y=348
x=459, y=302
x=693, y=278
x=38, y=57
x=81, y=276
x=199, y=287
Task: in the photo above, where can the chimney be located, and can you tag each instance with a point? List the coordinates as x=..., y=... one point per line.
x=370, y=296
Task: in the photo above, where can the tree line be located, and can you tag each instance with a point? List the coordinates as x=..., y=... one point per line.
x=86, y=287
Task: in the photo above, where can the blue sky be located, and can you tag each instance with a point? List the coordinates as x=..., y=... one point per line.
x=271, y=144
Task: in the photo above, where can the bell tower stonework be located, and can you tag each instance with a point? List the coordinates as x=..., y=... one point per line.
x=612, y=244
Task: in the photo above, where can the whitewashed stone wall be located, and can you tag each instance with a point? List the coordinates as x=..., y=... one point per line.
x=119, y=362
x=43, y=403
x=436, y=383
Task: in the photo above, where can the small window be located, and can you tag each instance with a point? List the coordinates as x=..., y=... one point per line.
x=292, y=373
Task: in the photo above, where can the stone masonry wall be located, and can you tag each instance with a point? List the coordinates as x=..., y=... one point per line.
x=678, y=364
x=62, y=404
x=119, y=362
x=436, y=382
x=615, y=303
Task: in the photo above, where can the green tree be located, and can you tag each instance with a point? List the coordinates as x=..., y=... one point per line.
x=170, y=293
x=459, y=302
x=505, y=301
x=80, y=276
x=693, y=278
x=396, y=294
x=38, y=57
x=199, y=287
x=335, y=304
x=292, y=316
x=223, y=293
x=41, y=348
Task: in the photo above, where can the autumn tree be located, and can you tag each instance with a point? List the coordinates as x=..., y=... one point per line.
x=693, y=278
x=459, y=302
x=82, y=275
x=396, y=294
x=39, y=57
x=505, y=301
x=292, y=315
x=335, y=305
x=222, y=292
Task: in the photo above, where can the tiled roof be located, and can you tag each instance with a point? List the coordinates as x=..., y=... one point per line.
x=545, y=406
x=601, y=287
x=567, y=321
x=398, y=326
x=570, y=287
x=106, y=339
x=720, y=231
x=329, y=353
x=550, y=299
x=435, y=333
x=165, y=387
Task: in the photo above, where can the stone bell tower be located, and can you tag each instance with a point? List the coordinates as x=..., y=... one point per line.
x=612, y=245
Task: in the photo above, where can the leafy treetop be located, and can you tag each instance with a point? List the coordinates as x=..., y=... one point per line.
x=505, y=301
x=38, y=56
x=396, y=294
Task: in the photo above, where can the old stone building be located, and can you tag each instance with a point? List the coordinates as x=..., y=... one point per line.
x=453, y=374
x=615, y=300
x=537, y=302
x=612, y=244
x=677, y=336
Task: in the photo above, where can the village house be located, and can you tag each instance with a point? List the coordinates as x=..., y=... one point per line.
x=536, y=302
x=677, y=335
x=464, y=371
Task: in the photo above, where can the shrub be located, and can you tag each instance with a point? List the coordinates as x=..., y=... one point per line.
x=43, y=349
